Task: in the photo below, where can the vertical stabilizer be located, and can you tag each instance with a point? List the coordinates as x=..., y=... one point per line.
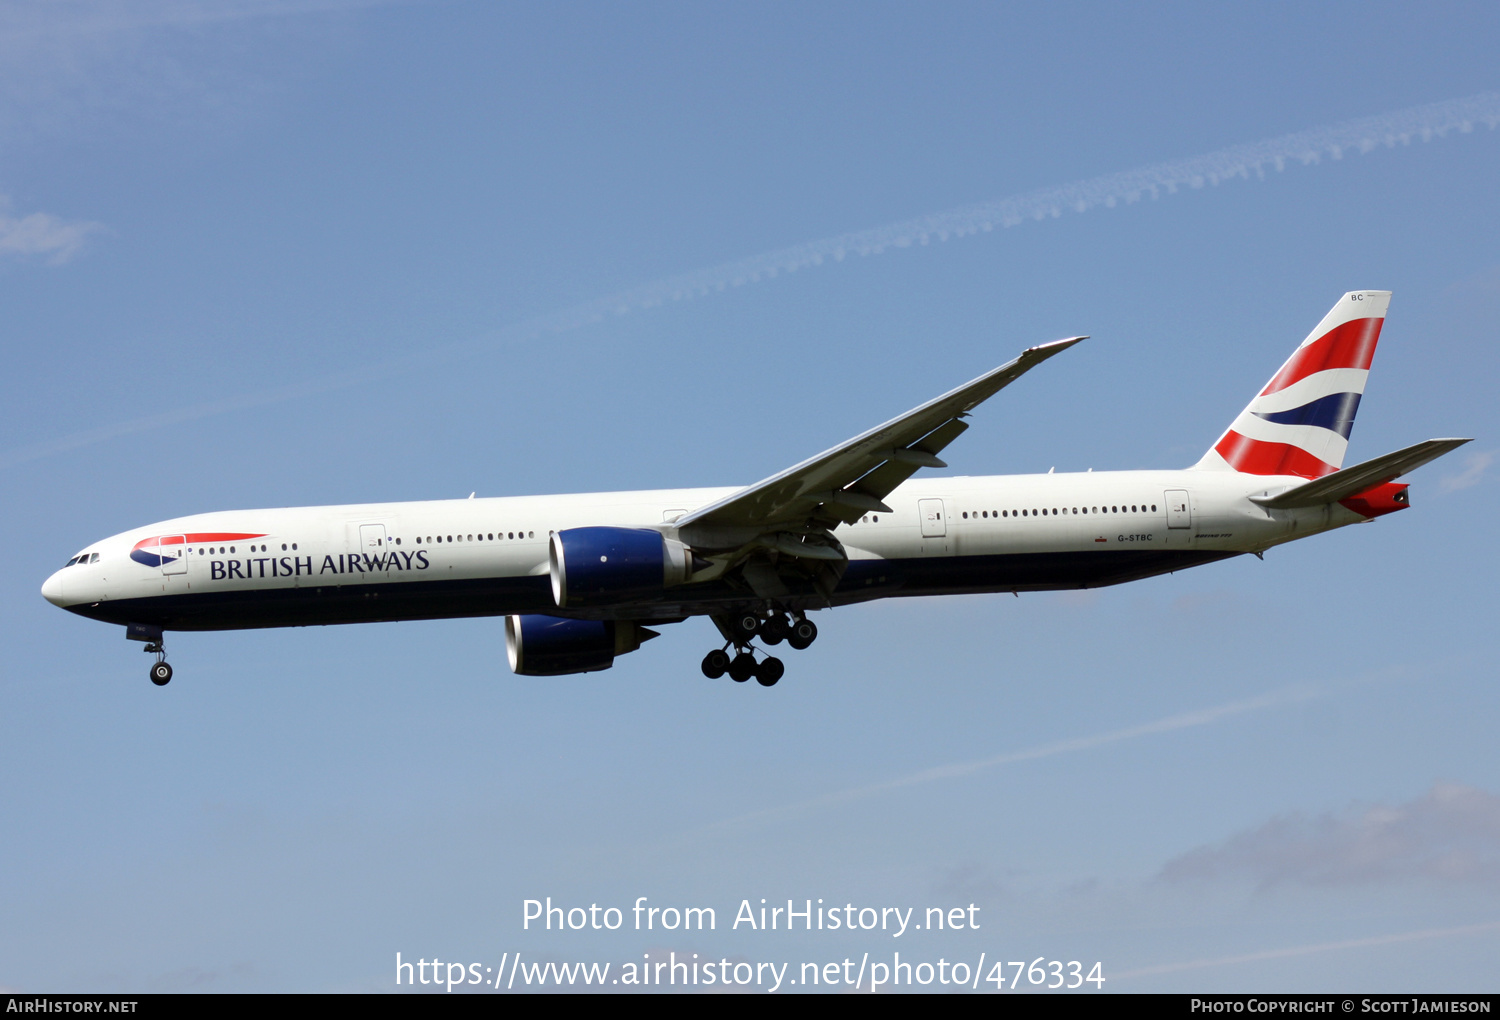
x=1299, y=423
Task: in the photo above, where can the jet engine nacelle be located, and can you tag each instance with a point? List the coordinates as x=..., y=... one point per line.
x=607, y=566
x=552, y=646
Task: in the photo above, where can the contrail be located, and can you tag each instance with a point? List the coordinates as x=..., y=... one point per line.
x=1386, y=130
x=1325, y=947
x=1180, y=721
x=1399, y=127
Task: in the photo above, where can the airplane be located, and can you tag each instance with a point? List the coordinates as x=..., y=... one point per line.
x=580, y=577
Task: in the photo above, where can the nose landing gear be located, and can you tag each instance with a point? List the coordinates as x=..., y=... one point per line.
x=161, y=673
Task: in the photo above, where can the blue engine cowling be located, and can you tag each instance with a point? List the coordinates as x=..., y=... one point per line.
x=608, y=566
x=553, y=646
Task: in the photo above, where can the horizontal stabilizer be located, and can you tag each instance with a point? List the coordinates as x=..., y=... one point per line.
x=1348, y=482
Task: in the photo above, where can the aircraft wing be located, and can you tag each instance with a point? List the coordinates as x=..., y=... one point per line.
x=1356, y=479
x=853, y=478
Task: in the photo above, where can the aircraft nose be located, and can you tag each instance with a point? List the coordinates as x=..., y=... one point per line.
x=52, y=589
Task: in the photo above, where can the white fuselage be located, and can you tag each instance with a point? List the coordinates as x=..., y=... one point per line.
x=488, y=557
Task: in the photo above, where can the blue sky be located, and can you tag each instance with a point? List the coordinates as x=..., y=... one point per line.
x=302, y=253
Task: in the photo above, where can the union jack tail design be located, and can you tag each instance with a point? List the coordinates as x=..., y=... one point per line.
x=1300, y=423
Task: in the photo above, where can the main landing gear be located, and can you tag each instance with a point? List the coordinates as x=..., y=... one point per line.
x=796, y=630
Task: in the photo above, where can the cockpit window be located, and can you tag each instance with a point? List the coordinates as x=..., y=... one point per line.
x=72, y=561
x=94, y=558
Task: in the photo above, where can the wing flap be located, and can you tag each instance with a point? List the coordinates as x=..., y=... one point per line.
x=901, y=463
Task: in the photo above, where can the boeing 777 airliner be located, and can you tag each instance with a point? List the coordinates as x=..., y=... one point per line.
x=579, y=577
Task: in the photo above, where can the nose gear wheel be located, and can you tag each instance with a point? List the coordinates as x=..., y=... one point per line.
x=161, y=671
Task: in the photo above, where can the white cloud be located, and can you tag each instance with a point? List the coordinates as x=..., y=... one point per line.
x=1449, y=834
x=41, y=234
x=1475, y=466
x=90, y=67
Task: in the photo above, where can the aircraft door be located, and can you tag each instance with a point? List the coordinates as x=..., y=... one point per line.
x=931, y=512
x=1179, y=509
x=371, y=552
x=934, y=527
x=172, y=549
